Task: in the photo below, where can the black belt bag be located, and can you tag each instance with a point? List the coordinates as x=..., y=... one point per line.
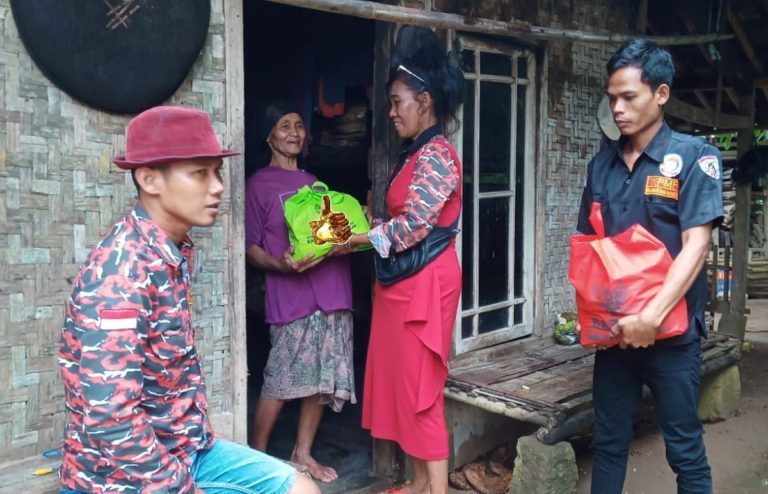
x=401, y=265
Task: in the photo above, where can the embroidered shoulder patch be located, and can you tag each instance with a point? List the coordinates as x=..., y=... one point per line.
x=663, y=187
x=114, y=319
x=710, y=165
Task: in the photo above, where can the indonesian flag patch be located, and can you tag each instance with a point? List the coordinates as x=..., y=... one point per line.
x=113, y=319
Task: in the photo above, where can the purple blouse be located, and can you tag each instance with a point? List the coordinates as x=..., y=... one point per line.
x=326, y=287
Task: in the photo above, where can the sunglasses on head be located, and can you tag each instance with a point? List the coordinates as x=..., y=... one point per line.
x=411, y=73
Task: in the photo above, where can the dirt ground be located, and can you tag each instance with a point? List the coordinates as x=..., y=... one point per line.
x=737, y=448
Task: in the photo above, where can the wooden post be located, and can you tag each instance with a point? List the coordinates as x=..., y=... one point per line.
x=509, y=28
x=734, y=323
x=641, y=22
x=542, y=324
x=382, y=152
x=388, y=458
x=235, y=139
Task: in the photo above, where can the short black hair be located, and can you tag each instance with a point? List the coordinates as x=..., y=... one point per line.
x=135, y=182
x=655, y=62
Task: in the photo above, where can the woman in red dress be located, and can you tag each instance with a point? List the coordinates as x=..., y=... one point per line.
x=413, y=319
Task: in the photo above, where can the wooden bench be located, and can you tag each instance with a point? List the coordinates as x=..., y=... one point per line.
x=18, y=476
x=534, y=381
x=546, y=384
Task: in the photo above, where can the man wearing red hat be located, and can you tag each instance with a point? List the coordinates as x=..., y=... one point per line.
x=134, y=386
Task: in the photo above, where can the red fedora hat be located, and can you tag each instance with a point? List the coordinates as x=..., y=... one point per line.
x=169, y=133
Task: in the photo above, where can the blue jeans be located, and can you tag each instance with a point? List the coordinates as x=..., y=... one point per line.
x=672, y=373
x=229, y=468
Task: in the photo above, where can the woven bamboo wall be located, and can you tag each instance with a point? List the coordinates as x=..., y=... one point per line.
x=572, y=137
x=59, y=193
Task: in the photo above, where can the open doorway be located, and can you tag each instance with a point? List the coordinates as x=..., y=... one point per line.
x=323, y=63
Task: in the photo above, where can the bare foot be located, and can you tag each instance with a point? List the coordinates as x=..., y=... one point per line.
x=409, y=488
x=315, y=469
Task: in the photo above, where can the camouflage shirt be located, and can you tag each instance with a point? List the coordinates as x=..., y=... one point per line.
x=135, y=391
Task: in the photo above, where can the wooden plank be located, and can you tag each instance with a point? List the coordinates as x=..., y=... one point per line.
x=564, y=391
x=235, y=137
x=721, y=362
x=531, y=255
x=18, y=476
x=707, y=89
x=552, y=385
x=463, y=345
x=505, y=365
x=508, y=406
x=694, y=114
x=579, y=412
x=731, y=93
x=533, y=379
x=512, y=28
x=714, y=339
x=516, y=403
x=569, y=384
x=716, y=351
x=542, y=329
x=734, y=323
x=690, y=27
x=743, y=37
x=577, y=403
x=511, y=368
x=575, y=383
x=510, y=349
x=641, y=21
x=487, y=374
x=704, y=100
x=538, y=363
x=388, y=458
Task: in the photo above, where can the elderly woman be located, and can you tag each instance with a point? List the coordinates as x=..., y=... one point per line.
x=413, y=318
x=308, y=302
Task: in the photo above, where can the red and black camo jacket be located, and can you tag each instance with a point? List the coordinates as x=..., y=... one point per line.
x=135, y=391
x=435, y=178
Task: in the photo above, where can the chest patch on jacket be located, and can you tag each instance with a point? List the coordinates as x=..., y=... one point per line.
x=662, y=186
x=112, y=319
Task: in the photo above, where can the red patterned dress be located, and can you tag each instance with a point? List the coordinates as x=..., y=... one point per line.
x=413, y=319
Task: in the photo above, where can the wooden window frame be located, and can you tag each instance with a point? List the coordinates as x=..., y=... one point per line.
x=526, y=328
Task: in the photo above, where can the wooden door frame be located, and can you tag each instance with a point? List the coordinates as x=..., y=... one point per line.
x=234, y=138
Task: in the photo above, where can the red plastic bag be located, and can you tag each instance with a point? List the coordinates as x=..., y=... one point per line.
x=618, y=276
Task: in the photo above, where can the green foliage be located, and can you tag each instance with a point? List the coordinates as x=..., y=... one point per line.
x=726, y=140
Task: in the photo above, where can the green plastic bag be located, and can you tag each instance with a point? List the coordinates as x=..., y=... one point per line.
x=305, y=208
